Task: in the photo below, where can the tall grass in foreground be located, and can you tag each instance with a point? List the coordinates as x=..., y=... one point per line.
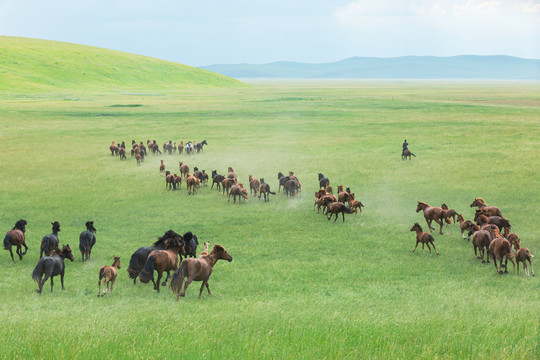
x=299, y=286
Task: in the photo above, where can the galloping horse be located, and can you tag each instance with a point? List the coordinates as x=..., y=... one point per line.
x=431, y=213
x=51, y=266
x=199, y=146
x=161, y=261
x=189, y=148
x=237, y=190
x=184, y=169
x=336, y=208
x=498, y=249
x=87, y=240
x=265, y=189
x=323, y=181
x=216, y=179
x=50, y=242
x=15, y=237
x=198, y=270
x=109, y=273
x=138, y=259
x=192, y=183
x=491, y=210
x=424, y=238
x=254, y=185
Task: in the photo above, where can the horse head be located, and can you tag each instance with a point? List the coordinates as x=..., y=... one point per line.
x=90, y=226
x=116, y=261
x=220, y=253
x=21, y=225
x=66, y=252
x=421, y=206
x=416, y=227
x=55, y=226
x=478, y=202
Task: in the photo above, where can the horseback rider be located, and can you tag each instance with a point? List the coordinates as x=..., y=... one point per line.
x=405, y=147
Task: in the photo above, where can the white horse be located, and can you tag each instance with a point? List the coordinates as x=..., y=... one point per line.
x=190, y=149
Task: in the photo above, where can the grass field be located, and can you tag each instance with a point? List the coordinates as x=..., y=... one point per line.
x=299, y=286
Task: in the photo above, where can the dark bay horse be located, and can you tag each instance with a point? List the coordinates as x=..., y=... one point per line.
x=197, y=270
x=190, y=245
x=51, y=266
x=282, y=180
x=138, y=259
x=162, y=261
x=336, y=208
x=216, y=179
x=87, y=240
x=431, y=213
x=50, y=242
x=108, y=273
x=15, y=237
x=200, y=145
x=406, y=153
x=424, y=238
x=491, y=210
x=264, y=189
x=323, y=181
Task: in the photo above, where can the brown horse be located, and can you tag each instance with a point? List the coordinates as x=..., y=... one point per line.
x=108, y=273
x=481, y=240
x=192, y=184
x=162, y=261
x=254, y=185
x=356, y=205
x=113, y=148
x=325, y=202
x=491, y=210
x=424, y=238
x=265, y=190
x=180, y=147
x=231, y=174
x=184, y=169
x=170, y=180
x=226, y=185
x=15, y=237
x=523, y=255
x=162, y=167
x=406, y=153
x=237, y=190
x=449, y=214
x=198, y=270
x=500, y=222
x=177, y=180
x=336, y=208
x=465, y=225
x=345, y=197
x=498, y=249
x=431, y=213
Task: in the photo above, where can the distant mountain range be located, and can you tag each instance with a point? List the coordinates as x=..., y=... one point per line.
x=406, y=67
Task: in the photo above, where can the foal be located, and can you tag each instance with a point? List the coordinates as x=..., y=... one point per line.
x=523, y=255
x=109, y=273
x=424, y=238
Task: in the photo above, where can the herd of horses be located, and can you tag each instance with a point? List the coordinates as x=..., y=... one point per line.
x=489, y=231
x=139, y=150
x=163, y=256
x=332, y=205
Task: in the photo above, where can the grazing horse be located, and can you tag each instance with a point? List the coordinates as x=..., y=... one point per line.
x=217, y=179
x=197, y=270
x=51, y=266
x=192, y=184
x=184, y=169
x=87, y=240
x=523, y=255
x=431, y=213
x=491, y=210
x=407, y=153
x=323, y=181
x=254, y=185
x=138, y=259
x=336, y=208
x=498, y=249
x=50, y=242
x=424, y=238
x=264, y=189
x=108, y=273
x=15, y=237
x=200, y=145
x=162, y=261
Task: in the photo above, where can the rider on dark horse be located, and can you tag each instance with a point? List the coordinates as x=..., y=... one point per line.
x=405, y=147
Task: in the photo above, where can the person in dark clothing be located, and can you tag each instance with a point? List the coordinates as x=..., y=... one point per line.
x=405, y=147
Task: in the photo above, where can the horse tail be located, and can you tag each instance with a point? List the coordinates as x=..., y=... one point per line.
x=178, y=276
x=39, y=270
x=147, y=273
x=272, y=192
x=101, y=273
x=7, y=241
x=413, y=155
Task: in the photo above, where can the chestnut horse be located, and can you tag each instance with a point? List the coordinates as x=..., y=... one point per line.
x=254, y=185
x=237, y=190
x=50, y=242
x=51, y=266
x=109, y=273
x=498, y=249
x=336, y=208
x=431, y=213
x=464, y=225
x=523, y=255
x=192, y=184
x=161, y=261
x=424, y=238
x=197, y=270
x=184, y=169
x=449, y=213
x=491, y=210
x=15, y=237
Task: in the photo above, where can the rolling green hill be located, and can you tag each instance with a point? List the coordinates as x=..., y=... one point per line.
x=45, y=66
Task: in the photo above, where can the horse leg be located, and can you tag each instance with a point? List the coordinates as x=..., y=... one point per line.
x=415, y=245
x=433, y=244
x=61, y=279
x=207, y=288
x=423, y=247
x=11, y=253
x=112, y=285
x=99, y=288
x=188, y=281
x=202, y=287
x=429, y=248
x=106, y=289
x=428, y=221
x=52, y=283
x=343, y=215
x=160, y=274
x=532, y=270
x=164, y=283
x=440, y=225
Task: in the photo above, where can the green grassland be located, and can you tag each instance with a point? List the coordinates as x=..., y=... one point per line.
x=299, y=286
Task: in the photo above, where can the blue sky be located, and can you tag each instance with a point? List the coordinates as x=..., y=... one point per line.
x=205, y=32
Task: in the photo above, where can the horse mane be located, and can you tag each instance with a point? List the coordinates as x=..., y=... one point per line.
x=169, y=234
x=480, y=200
x=444, y=207
x=217, y=248
x=419, y=227
x=20, y=225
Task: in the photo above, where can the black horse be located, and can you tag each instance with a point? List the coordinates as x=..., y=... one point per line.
x=216, y=179
x=323, y=181
x=51, y=266
x=191, y=242
x=50, y=242
x=87, y=240
x=139, y=257
x=200, y=145
x=282, y=180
